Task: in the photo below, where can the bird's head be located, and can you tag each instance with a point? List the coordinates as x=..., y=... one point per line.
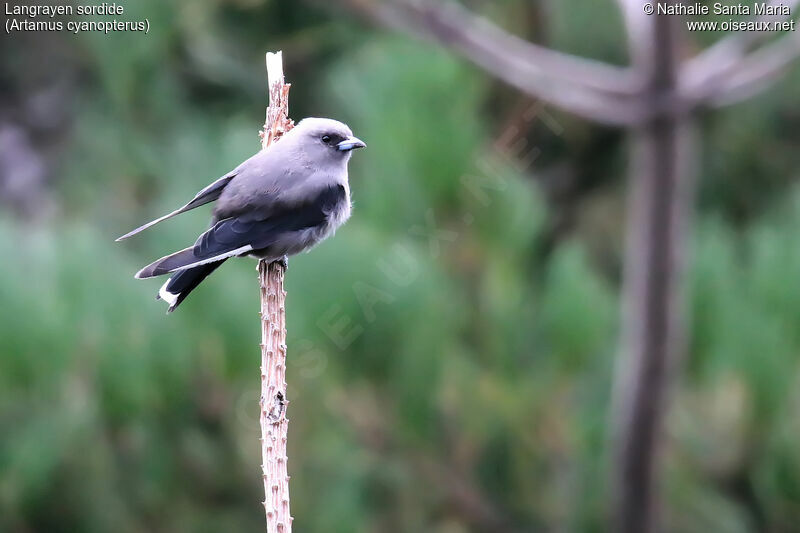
x=326, y=139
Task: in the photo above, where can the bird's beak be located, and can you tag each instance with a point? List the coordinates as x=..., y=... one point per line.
x=350, y=144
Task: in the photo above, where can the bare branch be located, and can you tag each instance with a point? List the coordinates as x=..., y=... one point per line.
x=652, y=340
x=727, y=50
x=591, y=89
x=708, y=73
x=273, y=421
x=754, y=73
x=637, y=26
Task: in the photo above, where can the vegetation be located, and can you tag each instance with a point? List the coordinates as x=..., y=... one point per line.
x=450, y=350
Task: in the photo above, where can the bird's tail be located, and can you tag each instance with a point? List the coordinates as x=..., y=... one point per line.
x=178, y=287
x=169, y=263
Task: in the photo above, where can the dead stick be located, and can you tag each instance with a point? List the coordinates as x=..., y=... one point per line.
x=274, y=424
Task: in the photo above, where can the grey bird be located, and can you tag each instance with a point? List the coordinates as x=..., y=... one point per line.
x=282, y=201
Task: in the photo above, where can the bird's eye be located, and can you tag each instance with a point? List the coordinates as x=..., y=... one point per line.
x=326, y=139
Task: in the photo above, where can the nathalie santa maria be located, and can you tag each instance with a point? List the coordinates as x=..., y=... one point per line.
x=722, y=8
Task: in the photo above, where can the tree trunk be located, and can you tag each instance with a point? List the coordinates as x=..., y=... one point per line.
x=653, y=336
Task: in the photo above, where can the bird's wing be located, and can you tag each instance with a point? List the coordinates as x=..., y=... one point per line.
x=240, y=235
x=209, y=194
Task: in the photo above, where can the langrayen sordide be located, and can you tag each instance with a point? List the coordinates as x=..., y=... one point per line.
x=282, y=201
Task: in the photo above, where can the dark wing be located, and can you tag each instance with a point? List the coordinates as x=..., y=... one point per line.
x=209, y=194
x=237, y=235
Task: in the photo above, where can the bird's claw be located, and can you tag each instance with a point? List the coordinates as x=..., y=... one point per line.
x=284, y=262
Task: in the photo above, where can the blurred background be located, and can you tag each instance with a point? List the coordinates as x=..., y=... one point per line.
x=451, y=350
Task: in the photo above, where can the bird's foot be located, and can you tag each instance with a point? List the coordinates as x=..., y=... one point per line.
x=284, y=262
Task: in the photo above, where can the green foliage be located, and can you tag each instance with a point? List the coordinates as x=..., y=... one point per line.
x=425, y=374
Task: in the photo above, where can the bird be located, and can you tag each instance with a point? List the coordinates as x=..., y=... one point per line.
x=285, y=199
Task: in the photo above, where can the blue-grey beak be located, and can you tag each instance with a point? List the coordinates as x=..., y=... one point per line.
x=350, y=144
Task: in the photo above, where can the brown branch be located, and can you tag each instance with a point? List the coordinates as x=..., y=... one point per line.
x=655, y=98
x=637, y=26
x=652, y=339
x=591, y=89
x=704, y=76
x=729, y=49
x=274, y=424
x=752, y=74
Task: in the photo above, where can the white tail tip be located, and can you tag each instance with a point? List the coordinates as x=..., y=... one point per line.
x=166, y=295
